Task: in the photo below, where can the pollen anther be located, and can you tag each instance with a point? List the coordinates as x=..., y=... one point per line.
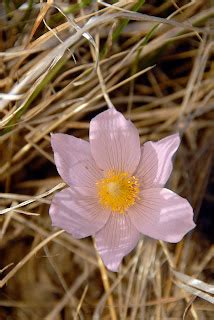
x=118, y=191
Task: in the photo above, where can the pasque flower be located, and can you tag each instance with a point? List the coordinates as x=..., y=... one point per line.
x=116, y=188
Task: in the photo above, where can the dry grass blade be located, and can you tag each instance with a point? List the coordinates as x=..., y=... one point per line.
x=27, y=257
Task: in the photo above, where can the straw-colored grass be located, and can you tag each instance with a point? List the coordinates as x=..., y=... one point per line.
x=61, y=63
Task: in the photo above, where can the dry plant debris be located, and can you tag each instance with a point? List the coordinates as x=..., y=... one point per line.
x=61, y=63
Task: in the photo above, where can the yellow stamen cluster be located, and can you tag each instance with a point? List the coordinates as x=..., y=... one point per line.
x=118, y=191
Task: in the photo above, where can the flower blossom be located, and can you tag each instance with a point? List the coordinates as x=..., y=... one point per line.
x=116, y=188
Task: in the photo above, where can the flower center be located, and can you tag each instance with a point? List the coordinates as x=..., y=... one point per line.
x=118, y=191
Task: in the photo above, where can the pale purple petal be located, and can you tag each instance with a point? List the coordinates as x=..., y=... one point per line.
x=78, y=215
x=155, y=164
x=116, y=239
x=115, y=143
x=162, y=214
x=74, y=161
